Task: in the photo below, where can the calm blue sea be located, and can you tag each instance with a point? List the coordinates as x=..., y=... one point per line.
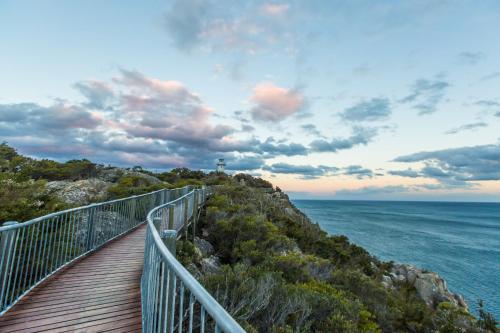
x=460, y=241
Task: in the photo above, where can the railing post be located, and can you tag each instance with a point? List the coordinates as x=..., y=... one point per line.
x=169, y=238
x=171, y=216
x=157, y=221
x=186, y=204
x=132, y=213
x=195, y=212
x=7, y=244
x=90, y=228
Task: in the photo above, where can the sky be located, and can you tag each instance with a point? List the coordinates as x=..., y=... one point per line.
x=362, y=99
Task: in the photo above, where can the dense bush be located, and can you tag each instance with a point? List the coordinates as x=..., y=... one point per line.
x=24, y=200
x=22, y=197
x=131, y=184
x=283, y=273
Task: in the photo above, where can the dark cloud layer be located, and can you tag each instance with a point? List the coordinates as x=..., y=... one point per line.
x=37, y=119
x=313, y=172
x=134, y=119
x=458, y=166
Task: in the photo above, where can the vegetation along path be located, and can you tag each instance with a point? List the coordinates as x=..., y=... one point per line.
x=98, y=294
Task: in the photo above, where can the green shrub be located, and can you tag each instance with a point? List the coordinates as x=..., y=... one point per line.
x=130, y=184
x=21, y=201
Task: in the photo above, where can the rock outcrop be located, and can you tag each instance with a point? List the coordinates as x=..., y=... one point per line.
x=204, y=246
x=210, y=265
x=112, y=175
x=80, y=192
x=86, y=191
x=431, y=288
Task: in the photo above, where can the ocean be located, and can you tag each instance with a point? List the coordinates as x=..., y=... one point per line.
x=459, y=241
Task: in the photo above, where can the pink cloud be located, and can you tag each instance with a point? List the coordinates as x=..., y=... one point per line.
x=275, y=103
x=145, y=89
x=276, y=10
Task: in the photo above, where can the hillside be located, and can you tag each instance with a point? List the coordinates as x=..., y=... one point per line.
x=276, y=271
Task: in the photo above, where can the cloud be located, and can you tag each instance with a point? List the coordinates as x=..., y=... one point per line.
x=467, y=127
x=272, y=148
x=275, y=10
x=220, y=26
x=405, y=173
x=492, y=76
x=371, y=110
x=311, y=129
x=136, y=119
x=362, y=70
x=244, y=163
x=426, y=95
x=185, y=21
x=358, y=171
x=55, y=118
x=372, y=191
x=305, y=171
x=247, y=128
x=459, y=165
x=488, y=103
x=313, y=172
x=360, y=136
x=274, y=103
x=470, y=58
x=98, y=93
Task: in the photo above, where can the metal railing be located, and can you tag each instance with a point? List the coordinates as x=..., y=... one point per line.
x=32, y=251
x=172, y=299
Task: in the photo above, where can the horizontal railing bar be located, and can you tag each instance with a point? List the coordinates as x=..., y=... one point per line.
x=75, y=209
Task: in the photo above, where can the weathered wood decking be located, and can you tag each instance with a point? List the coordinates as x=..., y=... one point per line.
x=99, y=293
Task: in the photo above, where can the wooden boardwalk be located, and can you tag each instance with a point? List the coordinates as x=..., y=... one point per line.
x=98, y=293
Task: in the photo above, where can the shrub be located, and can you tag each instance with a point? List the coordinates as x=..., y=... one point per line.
x=21, y=201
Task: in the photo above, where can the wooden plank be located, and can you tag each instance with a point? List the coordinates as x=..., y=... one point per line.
x=98, y=293
x=31, y=304
x=67, y=311
x=25, y=313
x=57, y=320
x=101, y=325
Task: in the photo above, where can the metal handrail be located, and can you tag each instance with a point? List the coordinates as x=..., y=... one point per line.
x=165, y=283
x=32, y=251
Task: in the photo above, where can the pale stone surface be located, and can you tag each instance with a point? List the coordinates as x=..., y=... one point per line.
x=80, y=192
x=210, y=265
x=204, y=246
x=431, y=288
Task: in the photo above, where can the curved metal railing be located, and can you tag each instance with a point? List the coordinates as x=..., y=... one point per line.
x=172, y=299
x=32, y=251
